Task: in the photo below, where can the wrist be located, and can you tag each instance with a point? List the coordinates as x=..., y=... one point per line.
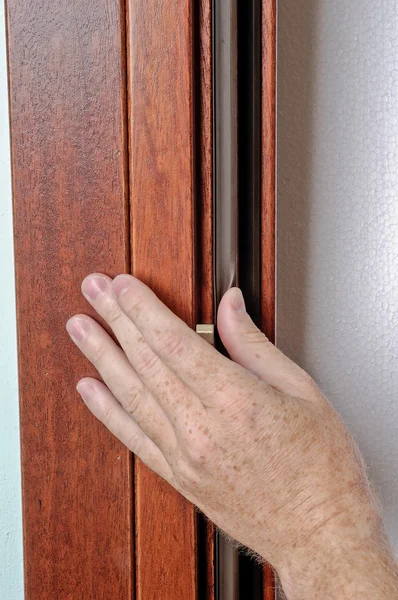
x=343, y=563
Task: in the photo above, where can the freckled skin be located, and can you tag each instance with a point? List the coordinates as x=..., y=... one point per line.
x=255, y=429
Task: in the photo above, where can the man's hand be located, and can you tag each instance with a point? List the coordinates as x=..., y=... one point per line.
x=251, y=441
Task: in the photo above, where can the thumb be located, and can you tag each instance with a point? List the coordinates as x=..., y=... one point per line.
x=250, y=348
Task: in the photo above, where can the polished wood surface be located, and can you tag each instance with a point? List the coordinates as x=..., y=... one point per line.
x=113, y=172
x=204, y=158
x=268, y=122
x=268, y=241
x=163, y=254
x=68, y=135
x=204, y=187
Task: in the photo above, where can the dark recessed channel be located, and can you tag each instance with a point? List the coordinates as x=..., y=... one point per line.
x=249, y=191
x=237, y=49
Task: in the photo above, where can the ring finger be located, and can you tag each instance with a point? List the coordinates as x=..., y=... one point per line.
x=102, y=403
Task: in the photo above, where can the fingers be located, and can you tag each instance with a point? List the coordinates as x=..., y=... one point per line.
x=118, y=374
x=107, y=409
x=168, y=389
x=197, y=363
x=249, y=347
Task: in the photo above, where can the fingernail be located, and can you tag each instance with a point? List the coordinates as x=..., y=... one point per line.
x=77, y=329
x=94, y=286
x=85, y=389
x=238, y=302
x=120, y=284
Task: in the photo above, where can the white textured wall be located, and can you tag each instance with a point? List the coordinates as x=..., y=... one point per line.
x=338, y=215
x=11, y=572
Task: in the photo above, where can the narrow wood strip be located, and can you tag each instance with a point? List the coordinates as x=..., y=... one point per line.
x=67, y=99
x=211, y=570
x=268, y=583
x=204, y=161
x=162, y=183
x=268, y=197
x=204, y=149
x=268, y=168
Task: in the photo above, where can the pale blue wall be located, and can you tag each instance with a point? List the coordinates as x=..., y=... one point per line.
x=11, y=571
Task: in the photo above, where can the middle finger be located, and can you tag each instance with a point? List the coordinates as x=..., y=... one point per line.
x=179, y=403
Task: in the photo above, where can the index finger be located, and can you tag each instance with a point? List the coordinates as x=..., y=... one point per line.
x=193, y=359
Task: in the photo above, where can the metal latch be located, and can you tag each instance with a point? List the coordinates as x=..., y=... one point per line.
x=206, y=332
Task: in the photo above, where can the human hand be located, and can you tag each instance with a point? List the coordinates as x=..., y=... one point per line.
x=251, y=441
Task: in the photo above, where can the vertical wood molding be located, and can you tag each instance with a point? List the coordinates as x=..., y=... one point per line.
x=204, y=154
x=268, y=239
x=268, y=167
x=85, y=202
x=162, y=187
x=68, y=137
x=204, y=161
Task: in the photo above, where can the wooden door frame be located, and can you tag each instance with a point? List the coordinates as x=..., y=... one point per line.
x=111, y=136
x=68, y=115
x=163, y=253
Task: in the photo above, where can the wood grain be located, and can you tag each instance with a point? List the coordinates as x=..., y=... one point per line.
x=162, y=184
x=204, y=158
x=204, y=182
x=268, y=167
x=67, y=100
x=268, y=197
x=68, y=117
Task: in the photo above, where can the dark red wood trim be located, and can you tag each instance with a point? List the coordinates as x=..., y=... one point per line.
x=163, y=226
x=204, y=149
x=268, y=168
x=204, y=128
x=268, y=195
x=68, y=136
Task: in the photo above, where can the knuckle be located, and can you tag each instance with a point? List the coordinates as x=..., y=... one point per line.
x=170, y=342
x=105, y=414
x=98, y=352
x=132, y=303
x=224, y=383
x=303, y=382
x=192, y=467
x=254, y=336
x=133, y=399
x=306, y=379
x=186, y=477
x=135, y=442
x=112, y=312
x=199, y=451
x=148, y=362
